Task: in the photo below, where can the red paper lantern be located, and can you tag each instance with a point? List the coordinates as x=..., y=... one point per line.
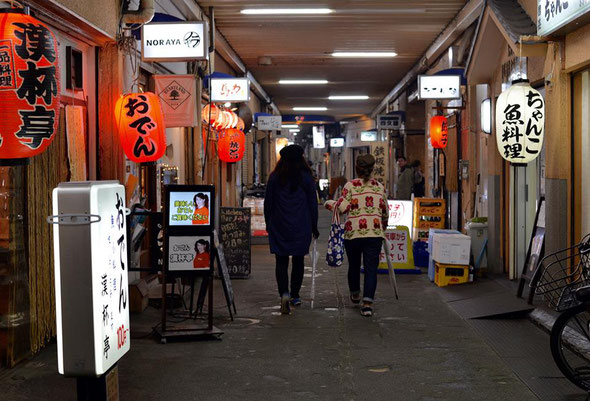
x=29, y=86
x=231, y=145
x=439, y=132
x=141, y=126
x=210, y=109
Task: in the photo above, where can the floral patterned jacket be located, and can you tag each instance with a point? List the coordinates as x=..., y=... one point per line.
x=366, y=205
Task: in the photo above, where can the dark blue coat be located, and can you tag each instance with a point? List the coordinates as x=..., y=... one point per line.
x=290, y=216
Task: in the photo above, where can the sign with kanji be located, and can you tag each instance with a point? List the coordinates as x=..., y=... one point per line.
x=400, y=213
x=439, y=86
x=174, y=41
x=385, y=121
x=230, y=90
x=555, y=14
x=380, y=151
x=91, y=284
x=520, y=123
x=269, y=123
x=177, y=98
x=399, y=247
x=29, y=86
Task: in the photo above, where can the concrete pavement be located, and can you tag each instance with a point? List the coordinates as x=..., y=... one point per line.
x=414, y=348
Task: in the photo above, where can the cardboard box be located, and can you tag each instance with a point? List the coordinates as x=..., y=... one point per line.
x=451, y=249
x=138, y=296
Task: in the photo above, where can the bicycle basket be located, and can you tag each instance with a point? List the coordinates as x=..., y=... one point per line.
x=561, y=273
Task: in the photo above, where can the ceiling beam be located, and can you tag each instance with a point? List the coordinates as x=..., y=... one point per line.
x=464, y=18
x=222, y=46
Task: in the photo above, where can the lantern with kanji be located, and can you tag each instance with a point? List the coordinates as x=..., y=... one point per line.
x=29, y=87
x=439, y=132
x=140, y=122
x=231, y=145
x=520, y=122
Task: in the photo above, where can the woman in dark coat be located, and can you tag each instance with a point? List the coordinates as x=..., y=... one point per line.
x=291, y=214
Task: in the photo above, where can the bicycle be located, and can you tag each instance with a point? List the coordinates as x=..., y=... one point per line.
x=563, y=279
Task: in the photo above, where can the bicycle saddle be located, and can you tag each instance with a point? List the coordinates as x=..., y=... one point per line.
x=582, y=294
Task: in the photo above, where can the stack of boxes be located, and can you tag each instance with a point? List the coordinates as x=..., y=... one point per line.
x=428, y=213
x=257, y=223
x=450, y=255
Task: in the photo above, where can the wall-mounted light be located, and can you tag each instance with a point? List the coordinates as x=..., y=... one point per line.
x=486, y=116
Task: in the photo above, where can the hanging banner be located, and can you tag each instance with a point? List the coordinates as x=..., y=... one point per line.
x=380, y=151
x=177, y=96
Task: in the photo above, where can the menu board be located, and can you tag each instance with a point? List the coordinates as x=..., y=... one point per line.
x=234, y=228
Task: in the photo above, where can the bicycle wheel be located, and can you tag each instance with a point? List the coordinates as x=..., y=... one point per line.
x=570, y=345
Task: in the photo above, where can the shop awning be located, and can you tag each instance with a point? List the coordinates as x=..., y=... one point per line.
x=503, y=21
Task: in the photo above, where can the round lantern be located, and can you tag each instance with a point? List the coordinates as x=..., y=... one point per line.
x=231, y=145
x=439, y=132
x=140, y=122
x=29, y=87
x=240, y=124
x=520, y=123
x=213, y=110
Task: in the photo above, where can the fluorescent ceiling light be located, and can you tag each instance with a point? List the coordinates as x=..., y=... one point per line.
x=288, y=11
x=290, y=126
x=364, y=54
x=310, y=108
x=349, y=97
x=303, y=81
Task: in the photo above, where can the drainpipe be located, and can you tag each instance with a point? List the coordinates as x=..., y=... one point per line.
x=142, y=15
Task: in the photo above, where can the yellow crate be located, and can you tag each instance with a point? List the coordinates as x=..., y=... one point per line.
x=429, y=207
x=450, y=274
x=427, y=222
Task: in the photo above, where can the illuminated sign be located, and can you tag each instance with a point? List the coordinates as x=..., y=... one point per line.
x=91, y=285
x=369, y=136
x=555, y=14
x=337, y=142
x=269, y=123
x=174, y=41
x=319, y=137
x=439, y=86
x=230, y=90
x=189, y=208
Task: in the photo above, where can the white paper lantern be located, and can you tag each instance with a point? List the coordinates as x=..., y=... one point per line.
x=520, y=123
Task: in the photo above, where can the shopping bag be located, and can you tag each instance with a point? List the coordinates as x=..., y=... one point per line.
x=335, y=254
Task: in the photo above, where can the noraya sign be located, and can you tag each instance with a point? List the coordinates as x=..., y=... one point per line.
x=174, y=41
x=553, y=15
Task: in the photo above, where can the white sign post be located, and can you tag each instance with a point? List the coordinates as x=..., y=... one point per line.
x=174, y=41
x=269, y=123
x=439, y=86
x=91, y=284
x=230, y=89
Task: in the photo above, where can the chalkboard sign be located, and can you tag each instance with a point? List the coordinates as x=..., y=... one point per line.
x=234, y=228
x=226, y=281
x=534, y=252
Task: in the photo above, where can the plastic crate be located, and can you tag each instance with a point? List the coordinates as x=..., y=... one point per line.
x=450, y=274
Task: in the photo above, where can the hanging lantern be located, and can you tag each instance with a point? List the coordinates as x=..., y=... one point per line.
x=439, y=132
x=520, y=123
x=141, y=126
x=240, y=124
x=214, y=110
x=231, y=145
x=233, y=119
x=29, y=87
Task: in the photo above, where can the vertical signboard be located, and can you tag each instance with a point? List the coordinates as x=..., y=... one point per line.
x=380, y=151
x=319, y=137
x=91, y=284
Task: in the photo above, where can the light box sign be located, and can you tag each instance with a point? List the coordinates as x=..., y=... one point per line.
x=337, y=142
x=389, y=121
x=400, y=213
x=174, y=41
x=269, y=123
x=189, y=209
x=91, y=284
x=230, y=89
x=439, y=86
x=369, y=136
x=319, y=137
x=555, y=14
x=189, y=253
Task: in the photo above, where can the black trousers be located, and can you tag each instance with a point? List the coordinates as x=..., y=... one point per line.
x=282, y=274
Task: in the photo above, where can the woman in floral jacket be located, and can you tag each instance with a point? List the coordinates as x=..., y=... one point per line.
x=364, y=200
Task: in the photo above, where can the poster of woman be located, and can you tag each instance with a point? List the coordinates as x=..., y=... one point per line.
x=201, y=215
x=189, y=208
x=190, y=253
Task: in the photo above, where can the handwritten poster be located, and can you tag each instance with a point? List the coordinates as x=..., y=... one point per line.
x=235, y=238
x=76, y=136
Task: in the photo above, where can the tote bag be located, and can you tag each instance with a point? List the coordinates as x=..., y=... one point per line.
x=335, y=254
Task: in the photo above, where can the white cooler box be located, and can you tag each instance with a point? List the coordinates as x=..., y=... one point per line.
x=451, y=249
